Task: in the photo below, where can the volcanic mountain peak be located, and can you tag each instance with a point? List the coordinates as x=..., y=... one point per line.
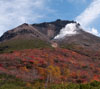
x=60, y=31
x=23, y=27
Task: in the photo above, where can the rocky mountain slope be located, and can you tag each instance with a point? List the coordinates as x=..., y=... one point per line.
x=24, y=31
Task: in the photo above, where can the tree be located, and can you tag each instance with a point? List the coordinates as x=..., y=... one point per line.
x=53, y=73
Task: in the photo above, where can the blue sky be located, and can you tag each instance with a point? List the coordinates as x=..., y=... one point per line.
x=16, y=12
x=64, y=9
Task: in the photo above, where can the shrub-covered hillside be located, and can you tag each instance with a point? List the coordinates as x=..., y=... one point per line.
x=50, y=65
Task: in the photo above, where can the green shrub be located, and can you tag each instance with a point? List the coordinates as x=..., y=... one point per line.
x=73, y=86
x=85, y=86
x=95, y=84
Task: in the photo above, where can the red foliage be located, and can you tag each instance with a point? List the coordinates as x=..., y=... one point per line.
x=96, y=77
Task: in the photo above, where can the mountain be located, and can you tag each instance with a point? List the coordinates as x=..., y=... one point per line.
x=66, y=34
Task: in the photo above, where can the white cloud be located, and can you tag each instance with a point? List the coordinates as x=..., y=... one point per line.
x=89, y=15
x=93, y=31
x=16, y=12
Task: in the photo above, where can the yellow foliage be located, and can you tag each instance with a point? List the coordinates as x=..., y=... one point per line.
x=53, y=72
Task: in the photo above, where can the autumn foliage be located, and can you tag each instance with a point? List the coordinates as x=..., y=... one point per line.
x=50, y=65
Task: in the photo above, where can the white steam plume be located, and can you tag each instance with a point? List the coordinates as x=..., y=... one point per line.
x=68, y=30
x=89, y=15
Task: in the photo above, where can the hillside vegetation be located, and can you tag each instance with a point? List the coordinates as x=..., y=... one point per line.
x=20, y=44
